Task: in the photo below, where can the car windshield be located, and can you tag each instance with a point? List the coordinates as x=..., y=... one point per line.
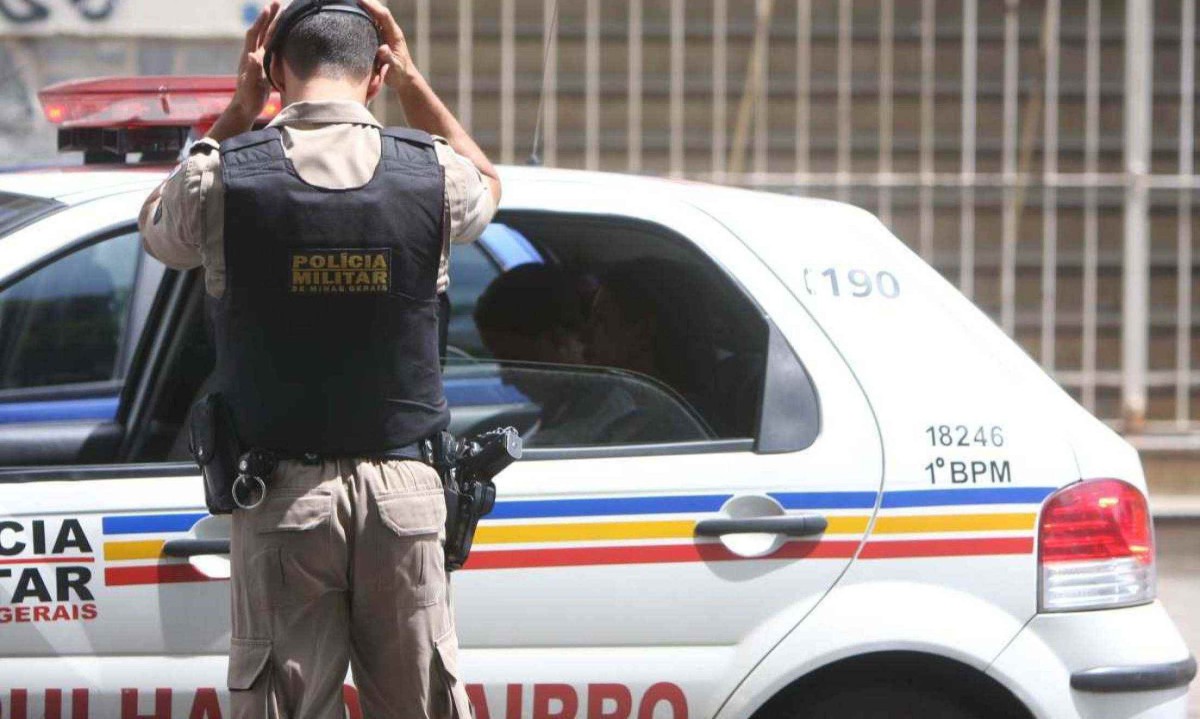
x=16, y=211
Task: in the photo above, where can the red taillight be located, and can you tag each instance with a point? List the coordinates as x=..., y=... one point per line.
x=134, y=102
x=1096, y=547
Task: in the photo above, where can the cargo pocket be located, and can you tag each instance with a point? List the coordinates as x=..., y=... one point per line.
x=247, y=666
x=299, y=529
x=414, y=520
x=453, y=690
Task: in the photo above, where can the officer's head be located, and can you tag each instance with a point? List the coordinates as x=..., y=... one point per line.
x=330, y=44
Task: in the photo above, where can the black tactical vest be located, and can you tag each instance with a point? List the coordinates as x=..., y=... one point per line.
x=327, y=334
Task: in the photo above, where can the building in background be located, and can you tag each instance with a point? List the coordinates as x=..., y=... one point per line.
x=1040, y=153
x=48, y=41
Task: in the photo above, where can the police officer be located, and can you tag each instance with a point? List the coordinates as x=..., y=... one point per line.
x=324, y=239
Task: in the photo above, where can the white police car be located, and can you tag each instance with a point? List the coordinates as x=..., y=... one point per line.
x=877, y=506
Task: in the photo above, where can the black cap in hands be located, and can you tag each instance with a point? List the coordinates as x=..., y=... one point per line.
x=296, y=11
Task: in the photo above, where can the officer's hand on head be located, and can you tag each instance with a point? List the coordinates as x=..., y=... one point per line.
x=253, y=87
x=393, y=53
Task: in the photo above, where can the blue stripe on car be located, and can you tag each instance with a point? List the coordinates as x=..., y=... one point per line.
x=966, y=495
x=93, y=408
x=151, y=523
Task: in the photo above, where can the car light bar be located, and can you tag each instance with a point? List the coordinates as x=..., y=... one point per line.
x=1096, y=547
x=121, y=103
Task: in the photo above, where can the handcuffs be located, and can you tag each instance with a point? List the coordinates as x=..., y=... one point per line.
x=250, y=486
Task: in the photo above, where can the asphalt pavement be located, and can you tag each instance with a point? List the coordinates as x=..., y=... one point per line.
x=1179, y=584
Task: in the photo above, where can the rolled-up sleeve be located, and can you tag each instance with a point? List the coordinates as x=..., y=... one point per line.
x=469, y=202
x=172, y=218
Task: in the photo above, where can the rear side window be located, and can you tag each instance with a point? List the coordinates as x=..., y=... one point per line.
x=19, y=210
x=64, y=323
x=620, y=334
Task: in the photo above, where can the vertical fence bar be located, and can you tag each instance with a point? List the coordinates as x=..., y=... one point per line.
x=887, y=35
x=762, y=98
x=844, y=98
x=720, y=80
x=752, y=89
x=926, y=153
x=1135, y=315
x=508, y=73
x=677, y=80
x=1008, y=239
x=803, y=83
x=1183, y=277
x=970, y=55
x=550, y=84
x=591, y=54
x=423, y=45
x=466, y=54
x=634, y=103
x=1049, y=191
x=1091, y=220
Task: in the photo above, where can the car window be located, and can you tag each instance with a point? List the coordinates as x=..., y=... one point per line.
x=624, y=334
x=65, y=323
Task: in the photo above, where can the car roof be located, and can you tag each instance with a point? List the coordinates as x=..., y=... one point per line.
x=75, y=184
x=80, y=183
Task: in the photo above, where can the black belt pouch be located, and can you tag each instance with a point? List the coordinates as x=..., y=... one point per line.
x=214, y=446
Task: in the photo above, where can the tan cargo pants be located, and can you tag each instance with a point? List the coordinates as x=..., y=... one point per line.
x=342, y=565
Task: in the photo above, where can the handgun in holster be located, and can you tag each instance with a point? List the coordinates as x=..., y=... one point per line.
x=467, y=468
x=213, y=442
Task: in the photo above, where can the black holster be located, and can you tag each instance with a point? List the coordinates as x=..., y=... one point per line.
x=212, y=439
x=467, y=468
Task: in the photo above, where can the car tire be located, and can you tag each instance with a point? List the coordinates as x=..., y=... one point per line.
x=884, y=700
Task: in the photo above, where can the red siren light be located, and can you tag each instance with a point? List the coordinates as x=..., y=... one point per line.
x=139, y=102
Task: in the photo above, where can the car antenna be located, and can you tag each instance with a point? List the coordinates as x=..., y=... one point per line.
x=534, y=157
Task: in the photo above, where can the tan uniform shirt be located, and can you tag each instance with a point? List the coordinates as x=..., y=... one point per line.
x=305, y=606
x=332, y=144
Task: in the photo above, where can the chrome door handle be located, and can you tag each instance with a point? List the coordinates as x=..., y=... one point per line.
x=793, y=525
x=194, y=547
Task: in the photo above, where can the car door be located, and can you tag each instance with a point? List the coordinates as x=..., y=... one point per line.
x=97, y=620
x=101, y=617
x=590, y=591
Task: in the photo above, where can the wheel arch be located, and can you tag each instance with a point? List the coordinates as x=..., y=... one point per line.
x=937, y=672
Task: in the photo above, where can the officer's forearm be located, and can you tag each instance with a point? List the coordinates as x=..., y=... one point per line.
x=234, y=121
x=426, y=111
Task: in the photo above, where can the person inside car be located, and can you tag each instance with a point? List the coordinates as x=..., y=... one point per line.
x=649, y=316
x=533, y=315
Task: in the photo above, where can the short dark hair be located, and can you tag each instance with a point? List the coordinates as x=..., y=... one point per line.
x=332, y=44
x=530, y=299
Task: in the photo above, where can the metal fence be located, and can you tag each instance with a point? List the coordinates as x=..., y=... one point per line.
x=1041, y=154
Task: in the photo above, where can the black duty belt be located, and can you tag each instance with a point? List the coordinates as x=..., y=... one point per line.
x=416, y=450
x=465, y=466
x=256, y=466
